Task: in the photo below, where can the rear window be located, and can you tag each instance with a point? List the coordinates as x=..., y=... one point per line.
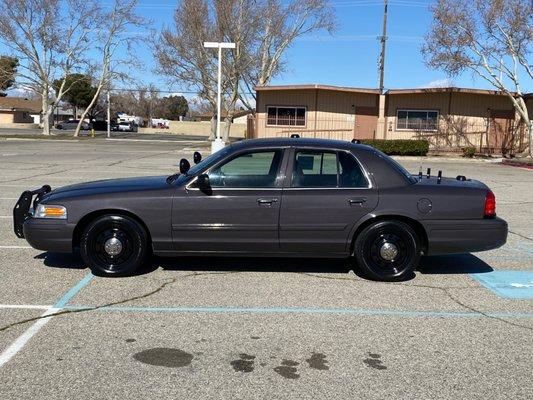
x=397, y=166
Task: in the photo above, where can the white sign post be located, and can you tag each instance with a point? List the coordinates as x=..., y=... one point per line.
x=218, y=143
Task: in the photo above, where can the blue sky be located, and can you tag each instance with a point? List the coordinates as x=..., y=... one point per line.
x=348, y=58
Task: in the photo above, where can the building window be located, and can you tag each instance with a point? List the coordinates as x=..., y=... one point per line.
x=286, y=116
x=417, y=120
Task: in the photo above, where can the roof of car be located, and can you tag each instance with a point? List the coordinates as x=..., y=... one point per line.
x=308, y=142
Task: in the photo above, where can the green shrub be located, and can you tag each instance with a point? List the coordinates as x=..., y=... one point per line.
x=400, y=147
x=469, y=152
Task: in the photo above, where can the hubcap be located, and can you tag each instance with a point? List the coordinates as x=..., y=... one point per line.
x=113, y=246
x=388, y=251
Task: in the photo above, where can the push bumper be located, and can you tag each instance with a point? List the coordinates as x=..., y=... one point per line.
x=465, y=236
x=22, y=212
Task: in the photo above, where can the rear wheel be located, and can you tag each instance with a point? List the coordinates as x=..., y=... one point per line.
x=114, y=245
x=387, y=250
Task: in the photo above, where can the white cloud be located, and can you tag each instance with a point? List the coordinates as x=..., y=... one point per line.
x=439, y=83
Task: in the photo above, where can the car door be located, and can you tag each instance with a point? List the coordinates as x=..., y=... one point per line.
x=240, y=212
x=326, y=192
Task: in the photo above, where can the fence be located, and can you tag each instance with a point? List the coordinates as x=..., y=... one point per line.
x=451, y=134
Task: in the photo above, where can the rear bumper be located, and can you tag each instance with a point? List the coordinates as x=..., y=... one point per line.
x=49, y=235
x=465, y=236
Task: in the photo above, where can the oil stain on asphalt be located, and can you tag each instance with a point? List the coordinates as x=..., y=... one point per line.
x=245, y=363
x=318, y=361
x=373, y=361
x=288, y=369
x=164, y=357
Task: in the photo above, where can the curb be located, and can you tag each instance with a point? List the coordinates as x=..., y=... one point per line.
x=519, y=164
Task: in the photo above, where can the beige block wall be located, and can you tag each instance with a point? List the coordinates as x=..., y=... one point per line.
x=195, y=129
x=330, y=114
x=6, y=117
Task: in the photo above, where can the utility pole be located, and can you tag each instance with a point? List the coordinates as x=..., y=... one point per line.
x=383, y=40
x=381, y=129
x=108, y=114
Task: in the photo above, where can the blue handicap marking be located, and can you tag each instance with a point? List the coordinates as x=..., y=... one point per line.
x=508, y=284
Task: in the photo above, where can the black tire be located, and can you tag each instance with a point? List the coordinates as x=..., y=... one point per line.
x=115, y=259
x=374, y=254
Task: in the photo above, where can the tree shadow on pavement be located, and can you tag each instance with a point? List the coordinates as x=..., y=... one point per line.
x=453, y=264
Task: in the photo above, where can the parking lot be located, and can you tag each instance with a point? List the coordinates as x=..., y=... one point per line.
x=258, y=328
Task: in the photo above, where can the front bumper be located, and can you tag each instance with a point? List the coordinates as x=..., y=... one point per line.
x=49, y=235
x=43, y=234
x=465, y=236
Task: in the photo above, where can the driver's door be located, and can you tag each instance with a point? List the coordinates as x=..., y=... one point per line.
x=240, y=212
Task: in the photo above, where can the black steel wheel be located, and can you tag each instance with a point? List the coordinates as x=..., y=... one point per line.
x=387, y=251
x=114, y=245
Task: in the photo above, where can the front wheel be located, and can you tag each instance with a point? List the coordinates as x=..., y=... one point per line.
x=114, y=245
x=387, y=250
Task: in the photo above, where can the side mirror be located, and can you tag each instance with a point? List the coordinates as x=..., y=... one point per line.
x=203, y=182
x=184, y=166
x=197, y=157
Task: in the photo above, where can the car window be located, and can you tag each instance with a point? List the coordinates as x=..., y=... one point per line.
x=327, y=169
x=315, y=169
x=257, y=169
x=350, y=172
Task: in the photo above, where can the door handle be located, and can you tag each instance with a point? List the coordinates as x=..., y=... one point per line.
x=266, y=201
x=359, y=200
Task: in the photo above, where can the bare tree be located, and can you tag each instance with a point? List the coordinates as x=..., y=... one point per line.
x=261, y=29
x=111, y=37
x=50, y=39
x=491, y=38
x=281, y=23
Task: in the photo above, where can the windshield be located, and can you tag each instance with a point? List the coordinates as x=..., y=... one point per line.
x=202, y=165
x=209, y=160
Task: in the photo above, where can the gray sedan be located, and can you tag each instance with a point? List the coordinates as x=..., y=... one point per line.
x=270, y=197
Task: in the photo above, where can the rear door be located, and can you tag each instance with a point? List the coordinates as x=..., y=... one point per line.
x=241, y=211
x=326, y=192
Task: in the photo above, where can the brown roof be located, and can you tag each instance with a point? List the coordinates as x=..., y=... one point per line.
x=445, y=90
x=316, y=86
x=19, y=104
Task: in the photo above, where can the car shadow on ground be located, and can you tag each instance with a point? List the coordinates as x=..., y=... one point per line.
x=452, y=264
x=61, y=260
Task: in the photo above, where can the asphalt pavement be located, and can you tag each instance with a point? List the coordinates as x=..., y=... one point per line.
x=228, y=328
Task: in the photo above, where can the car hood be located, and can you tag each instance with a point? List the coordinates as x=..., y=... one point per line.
x=109, y=186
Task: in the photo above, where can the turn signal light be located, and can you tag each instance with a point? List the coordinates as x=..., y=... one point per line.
x=490, y=205
x=49, y=211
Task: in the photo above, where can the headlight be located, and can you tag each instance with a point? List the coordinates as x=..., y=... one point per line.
x=50, y=211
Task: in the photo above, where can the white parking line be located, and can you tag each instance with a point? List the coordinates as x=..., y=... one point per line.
x=6, y=216
x=27, y=335
x=15, y=247
x=21, y=341
x=25, y=306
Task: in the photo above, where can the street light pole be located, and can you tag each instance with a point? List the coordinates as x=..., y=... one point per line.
x=218, y=143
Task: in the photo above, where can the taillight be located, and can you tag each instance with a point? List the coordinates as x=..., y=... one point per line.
x=490, y=205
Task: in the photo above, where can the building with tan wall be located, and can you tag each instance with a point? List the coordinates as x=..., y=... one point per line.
x=316, y=111
x=18, y=110
x=449, y=118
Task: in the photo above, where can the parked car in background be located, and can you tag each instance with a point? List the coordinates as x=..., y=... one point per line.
x=268, y=197
x=127, y=127
x=72, y=124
